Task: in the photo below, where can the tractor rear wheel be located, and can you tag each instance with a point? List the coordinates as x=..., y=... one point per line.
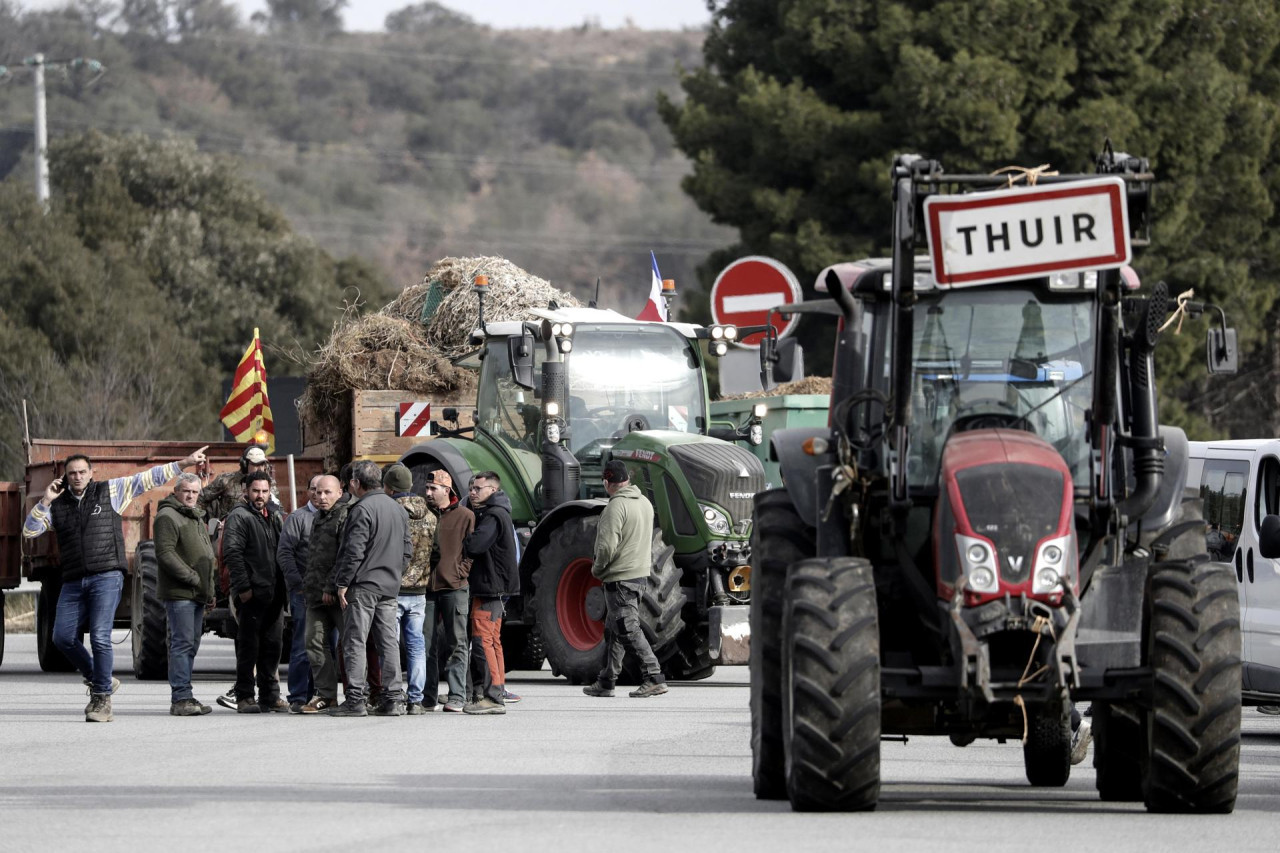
x=51, y=659
x=1193, y=650
x=831, y=685
x=1047, y=753
x=148, y=621
x=1119, y=746
x=570, y=608
x=779, y=537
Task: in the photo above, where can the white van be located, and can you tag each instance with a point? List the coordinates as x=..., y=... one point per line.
x=1239, y=482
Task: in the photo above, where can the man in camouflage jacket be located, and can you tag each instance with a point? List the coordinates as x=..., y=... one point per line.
x=411, y=603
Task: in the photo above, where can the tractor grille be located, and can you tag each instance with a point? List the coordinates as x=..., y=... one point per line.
x=1015, y=506
x=723, y=474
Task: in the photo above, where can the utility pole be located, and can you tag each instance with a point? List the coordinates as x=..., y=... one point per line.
x=42, y=134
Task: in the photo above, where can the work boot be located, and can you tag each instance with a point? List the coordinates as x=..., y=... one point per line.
x=349, y=708
x=595, y=688
x=485, y=706
x=248, y=706
x=1269, y=710
x=389, y=708
x=417, y=709
x=649, y=688
x=275, y=706
x=99, y=710
x=186, y=708
x=115, y=685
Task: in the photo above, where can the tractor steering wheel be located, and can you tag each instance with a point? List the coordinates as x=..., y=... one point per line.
x=988, y=414
x=631, y=423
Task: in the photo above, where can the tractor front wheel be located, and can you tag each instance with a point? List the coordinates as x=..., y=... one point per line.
x=1047, y=751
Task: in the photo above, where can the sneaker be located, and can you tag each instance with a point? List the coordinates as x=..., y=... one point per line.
x=115, y=685
x=417, y=709
x=99, y=710
x=246, y=706
x=228, y=700
x=316, y=705
x=390, y=708
x=1080, y=742
x=295, y=707
x=649, y=688
x=485, y=706
x=1269, y=710
x=186, y=708
x=279, y=706
x=595, y=688
x=349, y=708
x=509, y=697
x=452, y=707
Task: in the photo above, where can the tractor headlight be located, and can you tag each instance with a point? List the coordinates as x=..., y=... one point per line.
x=717, y=333
x=719, y=348
x=716, y=520
x=730, y=333
x=553, y=408
x=756, y=435
x=759, y=410
x=1055, y=565
x=553, y=433
x=565, y=345
x=566, y=329
x=977, y=563
x=982, y=579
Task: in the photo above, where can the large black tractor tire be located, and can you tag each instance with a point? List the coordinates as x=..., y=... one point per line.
x=1119, y=750
x=691, y=660
x=778, y=538
x=148, y=621
x=1193, y=650
x=831, y=685
x=51, y=659
x=522, y=648
x=569, y=605
x=1046, y=754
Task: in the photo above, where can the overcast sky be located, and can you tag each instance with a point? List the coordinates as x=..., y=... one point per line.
x=551, y=14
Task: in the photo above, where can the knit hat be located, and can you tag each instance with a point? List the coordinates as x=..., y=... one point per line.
x=616, y=472
x=440, y=478
x=255, y=456
x=398, y=479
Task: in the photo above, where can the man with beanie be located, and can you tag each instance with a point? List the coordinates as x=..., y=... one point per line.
x=495, y=576
x=448, y=595
x=411, y=603
x=374, y=552
x=623, y=559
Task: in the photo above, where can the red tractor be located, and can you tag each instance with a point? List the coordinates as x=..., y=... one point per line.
x=993, y=525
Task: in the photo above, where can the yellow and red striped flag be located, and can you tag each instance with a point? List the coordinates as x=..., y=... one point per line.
x=248, y=408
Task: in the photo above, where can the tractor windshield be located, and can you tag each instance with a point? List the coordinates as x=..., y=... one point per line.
x=1015, y=357
x=625, y=377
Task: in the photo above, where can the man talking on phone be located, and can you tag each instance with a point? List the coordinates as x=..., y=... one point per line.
x=85, y=516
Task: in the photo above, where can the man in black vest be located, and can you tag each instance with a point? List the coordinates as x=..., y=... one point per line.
x=85, y=516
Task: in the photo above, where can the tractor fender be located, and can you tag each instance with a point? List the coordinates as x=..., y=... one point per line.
x=438, y=454
x=541, y=533
x=799, y=469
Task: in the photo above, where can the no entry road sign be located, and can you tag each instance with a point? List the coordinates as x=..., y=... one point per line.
x=982, y=238
x=745, y=290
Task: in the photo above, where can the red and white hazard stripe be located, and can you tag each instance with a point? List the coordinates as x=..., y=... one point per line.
x=415, y=419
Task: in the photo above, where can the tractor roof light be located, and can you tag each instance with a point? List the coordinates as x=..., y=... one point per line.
x=553, y=409
x=565, y=345
x=262, y=437
x=759, y=410
x=730, y=333
x=669, y=286
x=717, y=333
x=480, y=283
x=719, y=348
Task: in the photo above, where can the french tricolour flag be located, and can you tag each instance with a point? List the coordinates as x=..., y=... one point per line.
x=653, y=309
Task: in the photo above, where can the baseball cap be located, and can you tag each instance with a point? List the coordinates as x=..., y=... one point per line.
x=398, y=479
x=440, y=478
x=615, y=472
x=255, y=456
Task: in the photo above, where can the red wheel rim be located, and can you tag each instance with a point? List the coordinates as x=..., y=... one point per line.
x=579, y=630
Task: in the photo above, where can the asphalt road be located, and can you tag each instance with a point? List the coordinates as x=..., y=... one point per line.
x=560, y=771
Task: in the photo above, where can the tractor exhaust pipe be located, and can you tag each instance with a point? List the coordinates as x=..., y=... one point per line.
x=1144, y=439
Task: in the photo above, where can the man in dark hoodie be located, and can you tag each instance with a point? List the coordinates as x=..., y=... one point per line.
x=250, y=539
x=411, y=603
x=375, y=550
x=184, y=556
x=495, y=577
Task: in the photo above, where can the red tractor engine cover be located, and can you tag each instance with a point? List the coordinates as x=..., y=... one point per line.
x=1005, y=506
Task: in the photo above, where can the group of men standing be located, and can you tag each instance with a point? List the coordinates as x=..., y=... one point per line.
x=364, y=567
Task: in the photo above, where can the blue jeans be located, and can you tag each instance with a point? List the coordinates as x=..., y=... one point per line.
x=411, y=611
x=301, y=686
x=449, y=607
x=186, y=624
x=92, y=599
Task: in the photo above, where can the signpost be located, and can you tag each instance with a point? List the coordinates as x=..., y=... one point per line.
x=745, y=290
x=983, y=238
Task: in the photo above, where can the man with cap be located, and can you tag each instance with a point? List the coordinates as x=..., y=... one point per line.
x=411, y=602
x=448, y=596
x=623, y=560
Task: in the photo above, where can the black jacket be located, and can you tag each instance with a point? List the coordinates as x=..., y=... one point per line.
x=375, y=545
x=249, y=543
x=90, y=533
x=492, y=549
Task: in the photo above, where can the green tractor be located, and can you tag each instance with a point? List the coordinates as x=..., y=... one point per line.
x=560, y=397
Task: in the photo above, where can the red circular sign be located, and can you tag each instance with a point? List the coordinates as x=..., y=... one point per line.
x=745, y=291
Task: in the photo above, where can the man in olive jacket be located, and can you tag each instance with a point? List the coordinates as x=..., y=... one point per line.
x=184, y=555
x=623, y=559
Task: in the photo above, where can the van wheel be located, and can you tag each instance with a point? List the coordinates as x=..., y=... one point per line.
x=1193, y=650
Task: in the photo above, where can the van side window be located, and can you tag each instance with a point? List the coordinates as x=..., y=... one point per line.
x=1223, y=488
x=1268, y=502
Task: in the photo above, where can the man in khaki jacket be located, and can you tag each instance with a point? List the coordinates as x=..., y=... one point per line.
x=623, y=560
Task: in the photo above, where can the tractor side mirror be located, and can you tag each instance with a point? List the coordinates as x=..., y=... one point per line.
x=1221, y=350
x=1269, y=537
x=520, y=354
x=788, y=361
